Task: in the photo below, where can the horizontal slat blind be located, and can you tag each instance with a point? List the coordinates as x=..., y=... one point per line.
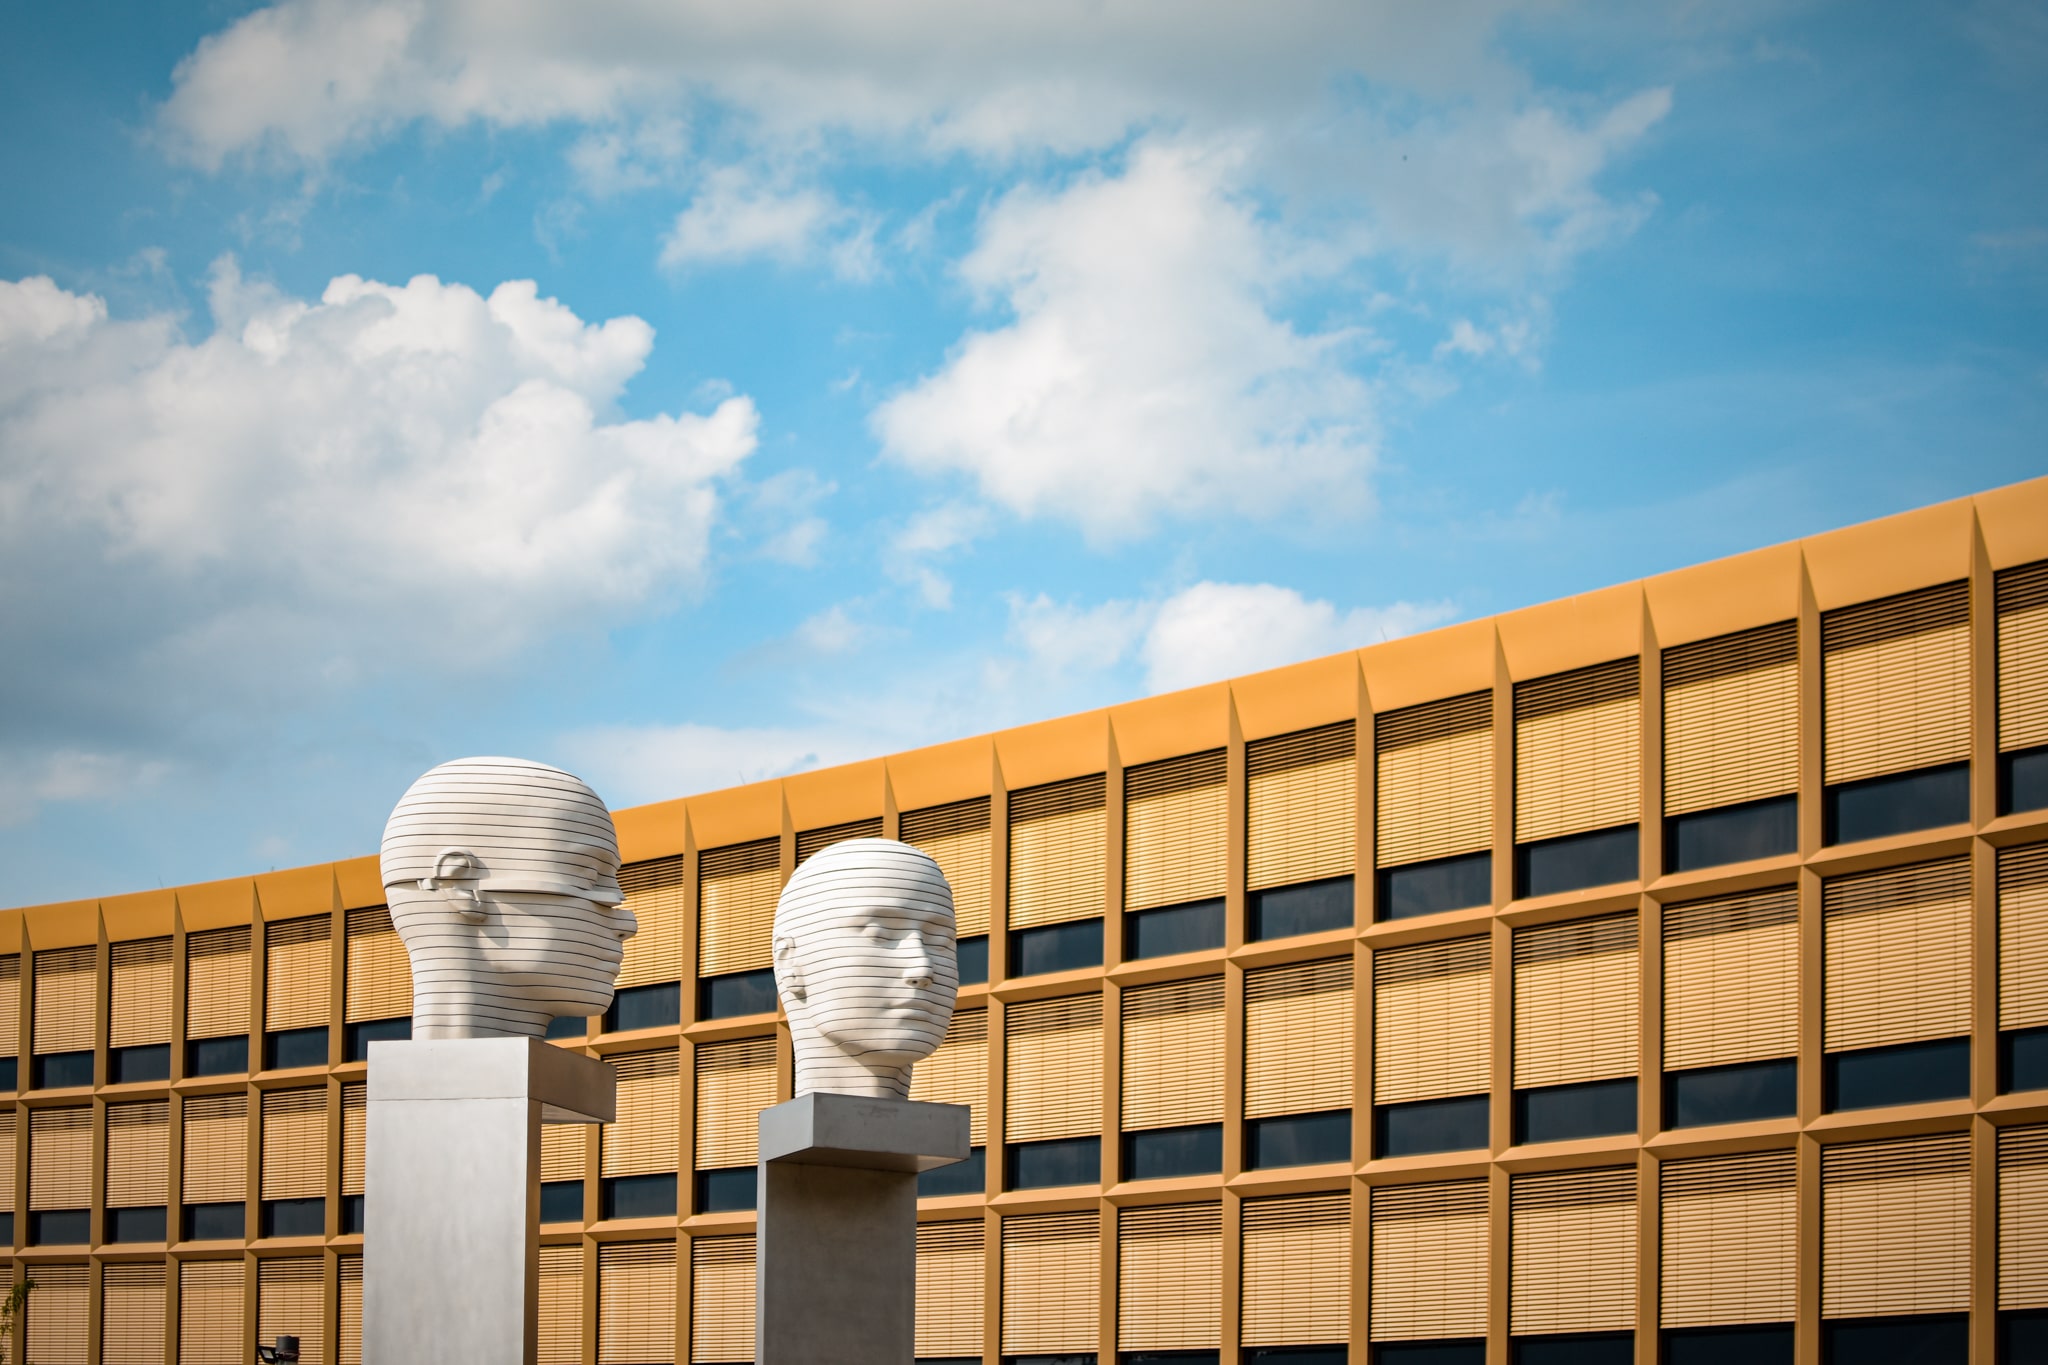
x=1895, y=1227
x=297, y=973
x=949, y=1289
x=140, y=1006
x=1169, y=1278
x=655, y=893
x=1057, y=853
x=132, y=1312
x=811, y=841
x=355, y=1135
x=2023, y=1217
x=138, y=1154
x=1731, y=979
x=1173, y=1054
x=643, y=1140
x=1435, y=780
x=958, y=840
x=1302, y=806
x=7, y=1130
x=561, y=1306
x=294, y=1144
x=1577, y=1002
x=2023, y=937
x=60, y=1158
x=288, y=1302
x=210, y=1313
x=958, y=1072
x=721, y=1300
x=216, y=1149
x=1051, y=1283
x=1052, y=1069
x=1573, y=1251
x=1896, y=684
x=1730, y=1233
x=10, y=1004
x=1578, y=751
x=1296, y=1270
x=65, y=981
x=58, y=1315
x=735, y=1082
x=378, y=980
x=563, y=1150
x=1298, y=1032
x=1173, y=831
x=1432, y=1032
x=350, y=1271
x=1897, y=955
x=1731, y=719
x=2022, y=597
x=217, y=982
x=1429, y=1261
x=737, y=890
x=636, y=1303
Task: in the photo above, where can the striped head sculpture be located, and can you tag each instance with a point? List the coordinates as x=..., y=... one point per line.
x=864, y=963
x=503, y=881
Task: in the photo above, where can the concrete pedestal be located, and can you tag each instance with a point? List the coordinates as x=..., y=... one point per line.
x=452, y=1214
x=836, y=1255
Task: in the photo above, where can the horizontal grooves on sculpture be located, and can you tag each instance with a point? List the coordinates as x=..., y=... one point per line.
x=138, y=1154
x=1053, y=1069
x=1173, y=1054
x=1169, y=1262
x=2022, y=611
x=1577, y=1002
x=1302, y=806
x=1731, y=719
x=1573, y=1251
x=1433, y=1020
x=66, y=983
x=296, y=972
x=1057, y=853
x=378, y=984
x=2023, y=937
x=294, y=1144
x=1434, y=780
x=1429, y=1245
x=1173, y=830
x=957, y=837
x=1578, y=751
x=1897, y=955
x=217, y=982
x=1731, y=979
x=1895, y=684
x=1730, y=1232
x=657, y=894
x=736, y=915
x=1298, y=1028
x=1895, y=1226
x=139, y=1003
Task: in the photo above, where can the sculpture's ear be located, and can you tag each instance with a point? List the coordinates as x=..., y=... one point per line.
x=788, y=972
x=452, y=867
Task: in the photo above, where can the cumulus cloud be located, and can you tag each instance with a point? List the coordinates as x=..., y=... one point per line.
x=736, y=216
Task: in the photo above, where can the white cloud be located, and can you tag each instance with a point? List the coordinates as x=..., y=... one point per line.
x=1213, y=631
x=934, y=534
x=735, y=216
x=636, y=763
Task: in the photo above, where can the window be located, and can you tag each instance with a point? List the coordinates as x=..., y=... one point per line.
x=297, y=1047
x=139, y=1011
x=297, y=985
x=1164, y=1153
x=949, y=1294
x=957, y=838
x=2023, y=968
x=1769, y=1345
x=1058, y=864
x=1942, y=1340
x=646, y=1196
x=1061, y=1161
x=971, y=956
x=1056, y=948
x=814, y=841
x=1572, y=1253
x=1433, y=1046
x=735, y=1081
x=1559, y=1113
x=1301, y=823
x=1576, y=861
x=1173, y=833
x=561, y=1201
x=1194, y=928
x=727, y=997
x=2022, y=609
x=1731, y=994
x=1734, y=834
x=1434, y=887
x=1729, y=1233
x=1434, y=813
x=1731, y=748
x=637, y=1007
x=1298, y=1060
x=1423, y=1126
x=1312, y=908
x=737, y=889
x=1731, y=1094
x=376, y=983
x=962, y=1177
x=1905, y=1073
x=1051, y=1286
x=637, y=1153
x=1879, y=807
x=1896, y=971
x=1429, y=1277
x=1296, y=1274
x=1298, y=1140
x=1577, y=1024
x=1578, y=778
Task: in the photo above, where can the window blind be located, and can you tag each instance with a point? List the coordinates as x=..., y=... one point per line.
x=636, y=1303
x=1578, y=751
x=1169, y=1278
x=1730, y=1234
x=1895, y=678
x=1051, y=1283
x=2023, y=1217
x=132, y=1311
x=139, y=1009
x=563, y=1151
x=216, y=1149
x=721, y=1300
x=737, y=890
x=10, y=1005
x=644, y=1138
x=289, y=1295
x=60, y=1158
x=355, y=1135
x=811, y=841
x=2023, y=936
x=958, y=1072
x=1731, y=719
x=1298, y=1033
x=1173, y=1054
x=2022, y=606
x=1572, y=1251
x=1173, y=831
x=65, y=982
x=1428, y=1261
x=217, y=982
x=735, y=1082
x=1052, y=1069
x=561, y=1305
x=210, y=1313
x=949, y=1289
x=655, y=893
x=957, y=838
x=7, y=1121
x=58, y=1314
x=350, y=1270
x=1577, y=1002
x=1301, y=819
x=297, y=974
x=294, y=1144
x=1731, y=979
x=1435, y=779
x=138, y=1155
x=1897, y=955
x=1057, y=853
x=378, y=979
x=1895, y=1227
x=1296, y=1270
x=1432, y=1032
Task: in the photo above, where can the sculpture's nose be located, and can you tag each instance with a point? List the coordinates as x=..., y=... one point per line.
x=917, y=971
x=625, y=922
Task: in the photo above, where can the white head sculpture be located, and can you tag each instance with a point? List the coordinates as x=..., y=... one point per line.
x=503, y=881
x=865, y=967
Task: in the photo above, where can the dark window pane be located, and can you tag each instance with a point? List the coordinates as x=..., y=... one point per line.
x=352, y=1213
x=2023, y=1338
x=567, y=1027
x=151, y=1062
x=1453, y=1125
x=356, y=1038
x=639, y=1196
x=2023, y=781
x=949, y=1360
x=657, y=1006
x=217, y=1057
x=1072, y=1358
x=561, y=1201
x=1301, y=1355
x=723, y=997
x=972, y=955
x=1576, y=861
x=1731, y=1094
x=213, y=1222
x=294, y=1218
x=296, y=1047
x=1192, y=928
x=1943, y=1340
x=1311, y=908
x=1168, y=1358
x=6, y=1229
x=1770, y=1345
x=1056, y=947
x=725, y=1191
x=8, y=1067
x=1558, y=1113
x=1163, y=1153
x=1593, y=1348
x=136, y=1225
x=1733, y=834
x=1298, y=1140
x=1429, y=1353
x=62, y=1227
x=1879, y=807
x=61, y=1069
x=1909, y=1073
x=2023, y=1060
x=1433, y=887
x=962, y=1177
x=1064, y=1161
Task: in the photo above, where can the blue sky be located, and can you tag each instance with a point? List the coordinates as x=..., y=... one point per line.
x=693, y=393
